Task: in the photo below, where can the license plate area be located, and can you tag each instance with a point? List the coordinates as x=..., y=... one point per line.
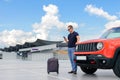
x=81, y=58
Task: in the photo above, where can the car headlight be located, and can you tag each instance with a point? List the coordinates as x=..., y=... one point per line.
x=99, y=45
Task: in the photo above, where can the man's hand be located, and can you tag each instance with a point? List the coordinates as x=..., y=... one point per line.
x=65, y=39
x=77, y=43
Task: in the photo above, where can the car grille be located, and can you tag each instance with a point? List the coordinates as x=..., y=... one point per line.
x=87, y=47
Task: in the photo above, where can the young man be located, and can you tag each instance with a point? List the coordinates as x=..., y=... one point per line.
x=72, y=40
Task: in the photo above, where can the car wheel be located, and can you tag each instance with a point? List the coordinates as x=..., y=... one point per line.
x=88, y=70
x=116, y=68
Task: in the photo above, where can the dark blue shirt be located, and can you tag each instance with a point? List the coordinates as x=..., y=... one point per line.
x=72, y=39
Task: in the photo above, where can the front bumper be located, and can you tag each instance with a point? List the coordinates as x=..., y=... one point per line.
x=95, y=61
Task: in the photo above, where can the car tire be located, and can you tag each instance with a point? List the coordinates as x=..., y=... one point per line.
x=116, y=68
x=88, y=70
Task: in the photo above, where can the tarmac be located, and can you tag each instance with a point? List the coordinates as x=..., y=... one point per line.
x=37, y=70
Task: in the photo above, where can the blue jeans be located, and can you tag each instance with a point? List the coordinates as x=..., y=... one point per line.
x=72, y=57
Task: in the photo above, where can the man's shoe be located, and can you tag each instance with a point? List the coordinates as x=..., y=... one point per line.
x=70, y=72
x=74, y=72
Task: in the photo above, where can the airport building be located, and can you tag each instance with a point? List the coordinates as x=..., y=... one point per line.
x=33, y=46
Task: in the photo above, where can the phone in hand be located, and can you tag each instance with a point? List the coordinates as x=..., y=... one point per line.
x=64, y=37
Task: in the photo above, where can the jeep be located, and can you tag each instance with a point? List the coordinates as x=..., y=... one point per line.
x=102, y=53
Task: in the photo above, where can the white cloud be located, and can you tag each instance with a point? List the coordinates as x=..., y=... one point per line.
x=100, y=12
x=51, y=9
x=49, y=21
x=113, y=20
x=12, y=37
x=41, y=29
x=112, y=24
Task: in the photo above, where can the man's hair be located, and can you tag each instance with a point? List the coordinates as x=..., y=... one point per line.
x=70, y=26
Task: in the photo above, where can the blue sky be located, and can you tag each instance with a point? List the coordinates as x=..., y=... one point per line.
x=27, y=20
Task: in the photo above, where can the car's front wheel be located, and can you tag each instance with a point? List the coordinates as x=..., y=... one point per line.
x=116, y=68
x=88, y=70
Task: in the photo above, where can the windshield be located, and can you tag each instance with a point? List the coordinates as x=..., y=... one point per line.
x=112, y=33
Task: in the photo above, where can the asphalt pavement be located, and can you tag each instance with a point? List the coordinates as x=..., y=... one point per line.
x=37, y=70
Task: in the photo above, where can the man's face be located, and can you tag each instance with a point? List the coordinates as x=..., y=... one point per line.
x=70, y=29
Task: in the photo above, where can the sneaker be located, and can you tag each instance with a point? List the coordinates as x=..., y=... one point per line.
x=70, y=72
x=74, y=72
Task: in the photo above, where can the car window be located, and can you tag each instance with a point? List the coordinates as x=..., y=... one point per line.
x=112, y=33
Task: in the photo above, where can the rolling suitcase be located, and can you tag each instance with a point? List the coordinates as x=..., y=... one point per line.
x=52, y=65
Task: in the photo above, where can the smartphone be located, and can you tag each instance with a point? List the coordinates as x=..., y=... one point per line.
x=64, y=37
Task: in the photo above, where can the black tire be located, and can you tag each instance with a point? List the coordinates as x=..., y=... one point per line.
x=116, y=68
x=88, y=70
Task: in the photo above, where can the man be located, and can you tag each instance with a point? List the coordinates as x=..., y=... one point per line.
x=72, y=40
